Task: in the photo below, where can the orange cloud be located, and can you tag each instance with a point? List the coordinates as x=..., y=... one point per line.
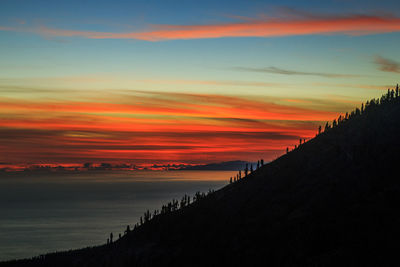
x=350, y=25
x=177, y=104
x=166, y=127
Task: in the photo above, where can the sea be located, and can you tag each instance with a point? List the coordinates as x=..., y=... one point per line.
x=56, y=211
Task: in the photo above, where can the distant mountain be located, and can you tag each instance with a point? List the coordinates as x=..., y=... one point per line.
x=332, y=201
x=222, y=166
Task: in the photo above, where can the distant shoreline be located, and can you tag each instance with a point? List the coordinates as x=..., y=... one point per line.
x=221, y=166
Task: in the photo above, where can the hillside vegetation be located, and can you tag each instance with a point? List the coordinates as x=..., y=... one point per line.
x=332, y=201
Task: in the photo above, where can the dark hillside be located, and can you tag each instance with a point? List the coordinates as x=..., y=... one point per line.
x=333, y=201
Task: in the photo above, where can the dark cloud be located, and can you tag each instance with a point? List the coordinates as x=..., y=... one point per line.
x=20, y=135
x=222, y=134
x=387, y=65
x=275, y=70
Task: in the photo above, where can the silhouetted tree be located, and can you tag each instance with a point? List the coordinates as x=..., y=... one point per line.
x=175, y=204
x=287, y=150
x=397, y=91
x=182, y=204
x=327, y=126
x=147, y=216
x=319, y=129
x=128, y=229
x=251, y=168
x=262, y=162
x=169, y=207
x=258, y=164
x=197, y=196
x=246, y=170
x=111, y=238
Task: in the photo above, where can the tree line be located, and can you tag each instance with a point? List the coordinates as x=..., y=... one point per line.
x=391, y=97
x=170, y=207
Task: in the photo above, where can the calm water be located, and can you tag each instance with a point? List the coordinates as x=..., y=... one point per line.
x=41, y=213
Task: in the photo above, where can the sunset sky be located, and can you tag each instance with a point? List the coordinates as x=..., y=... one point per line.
x=194, y=82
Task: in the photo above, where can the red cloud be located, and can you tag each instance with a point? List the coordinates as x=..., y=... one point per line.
x=198, y=128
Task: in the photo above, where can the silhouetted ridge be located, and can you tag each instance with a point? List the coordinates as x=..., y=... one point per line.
x=331, y=201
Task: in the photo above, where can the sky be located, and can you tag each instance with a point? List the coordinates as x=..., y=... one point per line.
x=193, y=82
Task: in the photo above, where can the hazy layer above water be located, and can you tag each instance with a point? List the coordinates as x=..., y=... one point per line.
x=43, y=212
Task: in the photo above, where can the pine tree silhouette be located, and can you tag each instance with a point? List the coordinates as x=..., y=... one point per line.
x=128, y=229
x=327, y=126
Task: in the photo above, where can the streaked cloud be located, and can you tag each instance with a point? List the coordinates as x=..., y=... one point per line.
x=387, y=65
x=263, y=27
x=275, y=70
x=214, y=82
x=363, y=86
x=143, y=126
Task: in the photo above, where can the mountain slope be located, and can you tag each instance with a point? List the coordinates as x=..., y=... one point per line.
x=332, y=201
